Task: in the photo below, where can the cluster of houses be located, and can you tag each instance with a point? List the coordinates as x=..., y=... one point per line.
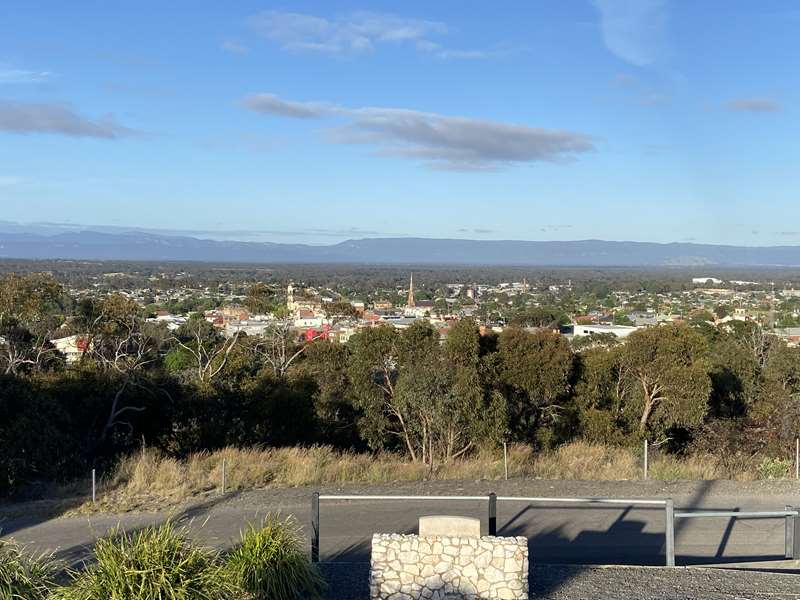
x=310, y=314
x=310, y=317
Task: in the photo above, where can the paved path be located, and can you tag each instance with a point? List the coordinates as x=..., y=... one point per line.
x=557, y=533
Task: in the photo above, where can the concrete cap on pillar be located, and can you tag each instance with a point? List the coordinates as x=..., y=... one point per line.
x=440, y=525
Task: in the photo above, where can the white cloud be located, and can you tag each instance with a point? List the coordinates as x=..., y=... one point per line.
x=465, y=54
x=30, y=117
x=21, y=76
x=355, y=33
x=754, y=105
x=633, y=30
x=272, y=104
x=438, y=141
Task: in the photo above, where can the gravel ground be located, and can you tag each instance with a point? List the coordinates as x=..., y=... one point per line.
x=699, y=492
x=348, y=581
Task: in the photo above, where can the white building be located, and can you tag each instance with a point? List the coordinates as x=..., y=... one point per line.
x=173, y=322
x=73, y=347
x=306, y=322
x=621, y=331
x=249, y=327
x=343, y=334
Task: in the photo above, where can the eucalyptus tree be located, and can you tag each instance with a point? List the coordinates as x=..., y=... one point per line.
x=535, y=371
x=125, y=346
x=30, y=313
x=431, y=397
x=205, y=348
x=667, y=372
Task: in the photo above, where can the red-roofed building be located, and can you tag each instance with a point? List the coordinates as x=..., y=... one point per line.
x=312, y=334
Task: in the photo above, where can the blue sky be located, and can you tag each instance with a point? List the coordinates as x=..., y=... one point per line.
x=650, y=120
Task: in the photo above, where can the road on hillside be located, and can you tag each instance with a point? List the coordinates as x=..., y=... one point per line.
x=557, y=533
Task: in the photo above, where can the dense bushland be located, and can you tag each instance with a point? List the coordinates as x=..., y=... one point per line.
x=692, y=389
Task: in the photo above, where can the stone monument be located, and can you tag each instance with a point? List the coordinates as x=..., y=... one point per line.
x=448, y=560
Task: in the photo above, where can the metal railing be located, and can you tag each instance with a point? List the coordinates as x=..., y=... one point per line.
x=790, y=514
x=492, y=500
x=669, y=520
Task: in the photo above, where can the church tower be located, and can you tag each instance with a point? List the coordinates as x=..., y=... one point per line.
x=290, y=297
x=410, y=302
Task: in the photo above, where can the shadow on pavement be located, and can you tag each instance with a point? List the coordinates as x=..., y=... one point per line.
x=81, y=554
x=21, y=515
x=623, y=543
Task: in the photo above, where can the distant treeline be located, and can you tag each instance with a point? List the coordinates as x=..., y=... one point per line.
x=365, y=278
x=733, y=390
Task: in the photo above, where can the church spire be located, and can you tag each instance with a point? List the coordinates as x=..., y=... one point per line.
x=410, y=302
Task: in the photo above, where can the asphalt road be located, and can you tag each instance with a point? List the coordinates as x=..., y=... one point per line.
x=558, y=533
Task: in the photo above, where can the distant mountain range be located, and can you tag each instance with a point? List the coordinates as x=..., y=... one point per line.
x=16, y=242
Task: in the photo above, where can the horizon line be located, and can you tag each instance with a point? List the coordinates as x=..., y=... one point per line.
x=352, y=236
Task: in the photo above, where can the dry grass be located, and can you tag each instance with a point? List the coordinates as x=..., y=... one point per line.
x=148, y=480
x=671, y=468
x=584, y=460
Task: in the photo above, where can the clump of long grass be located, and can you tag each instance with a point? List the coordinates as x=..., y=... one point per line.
x=700, y=467
x=587, y=460
x=270, y=563
x=24, y=576
x=155, y=563
x=774, y=468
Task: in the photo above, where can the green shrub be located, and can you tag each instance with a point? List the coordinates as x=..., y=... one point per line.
x=270, y=563
x=24, y=577
x=774, y=468
x=156, y=563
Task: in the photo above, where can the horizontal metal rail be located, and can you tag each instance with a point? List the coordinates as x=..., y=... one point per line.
x=791, y=515
x=624, y=501
x=767, y=514
x=451, y=498
x=554, y=500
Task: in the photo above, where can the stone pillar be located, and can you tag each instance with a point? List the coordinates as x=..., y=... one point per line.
x=442, y=567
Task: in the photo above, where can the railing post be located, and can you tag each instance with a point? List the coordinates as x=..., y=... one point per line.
x=792, y=535
x=669, y=531
x=788, y=534
x=223, y=476
x=94, y=486
x=315, y=527
x=645, y=459
x=492, y=514
x=796, y=537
